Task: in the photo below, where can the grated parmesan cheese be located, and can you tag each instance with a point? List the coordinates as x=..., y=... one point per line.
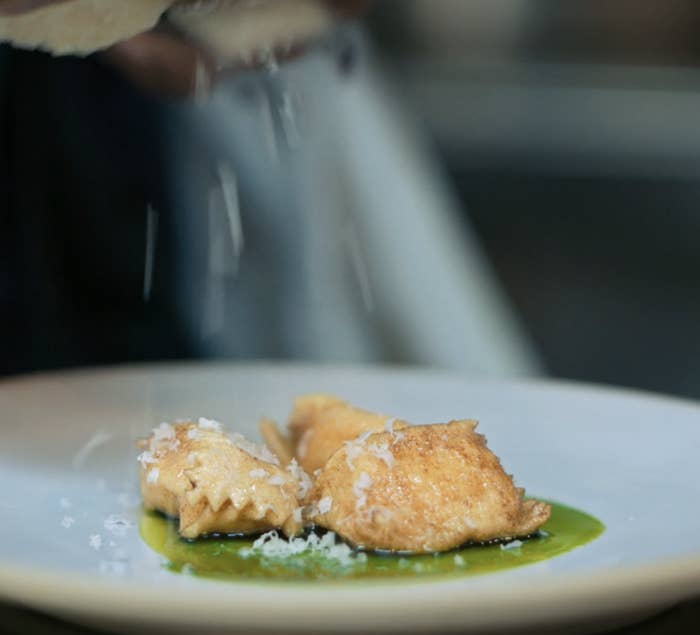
x=382, y=451
x=258, y=473
x=261, y=452
x=459, y=561
x=270, y=545
x=145, y=458
x=194, y=434
x=355, y=448
x=360, y=488
x=67, y=522
x=163, y=432
x=325, y=505
x=514, y=544
x=276, y=480
x=209, y=424
x=96, y=541
x=303, y=481
x=153, y=475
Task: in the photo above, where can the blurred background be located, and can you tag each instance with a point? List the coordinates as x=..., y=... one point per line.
x=505, y=187
x=570, y=131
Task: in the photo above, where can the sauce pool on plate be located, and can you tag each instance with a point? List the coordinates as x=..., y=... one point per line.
x=236, y=559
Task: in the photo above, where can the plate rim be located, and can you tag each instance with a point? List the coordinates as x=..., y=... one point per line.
x=271, y=365
x=568, y=596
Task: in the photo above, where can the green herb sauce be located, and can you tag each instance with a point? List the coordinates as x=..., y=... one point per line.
x=228, y=558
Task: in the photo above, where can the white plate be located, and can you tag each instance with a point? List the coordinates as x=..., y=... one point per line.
x=628, y=458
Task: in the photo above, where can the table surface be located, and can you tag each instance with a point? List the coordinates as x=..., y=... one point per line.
x=680, y=619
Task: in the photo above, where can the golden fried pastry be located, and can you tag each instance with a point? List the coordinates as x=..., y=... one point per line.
x=217, y=483
x=320, y=424
x=421, y=489
x=277, y=441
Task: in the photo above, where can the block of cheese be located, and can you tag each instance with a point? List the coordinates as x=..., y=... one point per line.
x=81, y=27
x=231, y=30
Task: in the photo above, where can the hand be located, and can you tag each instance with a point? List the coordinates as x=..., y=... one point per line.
x=167, y=64
x=160, y=61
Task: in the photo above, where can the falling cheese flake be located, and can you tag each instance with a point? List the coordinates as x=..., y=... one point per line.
x=96, y=541
x=229, y=191
x=67, y=522
x=358, y=260
x=95, y=441
x=149, y=258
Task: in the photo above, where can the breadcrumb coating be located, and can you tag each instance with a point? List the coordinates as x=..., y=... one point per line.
x=441, y=488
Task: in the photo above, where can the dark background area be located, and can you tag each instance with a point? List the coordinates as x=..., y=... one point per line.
x=604, y=273
x=571, y=133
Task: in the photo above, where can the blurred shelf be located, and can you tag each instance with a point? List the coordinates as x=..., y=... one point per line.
x=560, y=118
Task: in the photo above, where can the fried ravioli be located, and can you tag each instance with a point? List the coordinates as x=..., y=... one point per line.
x=421, y=489
x=216, y=483
x=320, y=424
